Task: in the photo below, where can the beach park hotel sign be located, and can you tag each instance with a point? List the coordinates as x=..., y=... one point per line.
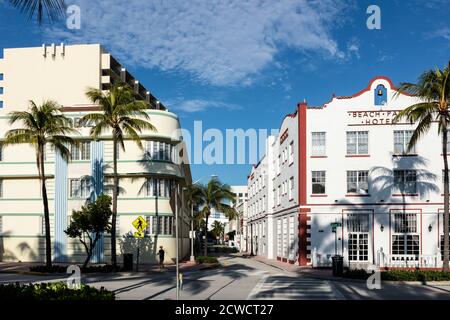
x=373, y=117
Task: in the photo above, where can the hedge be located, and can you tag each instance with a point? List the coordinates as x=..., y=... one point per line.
x=62, y=269
x=402, y=275
x=203, y=259
x=52, y=291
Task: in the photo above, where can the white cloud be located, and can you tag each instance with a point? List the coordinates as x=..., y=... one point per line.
x=216, y=42
x=443, y=32
x=199, y=105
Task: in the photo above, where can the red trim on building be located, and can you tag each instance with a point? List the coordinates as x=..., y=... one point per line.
x=302, y=159
x=303, y=236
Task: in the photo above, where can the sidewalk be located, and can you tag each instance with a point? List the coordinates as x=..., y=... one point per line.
x=322, y=273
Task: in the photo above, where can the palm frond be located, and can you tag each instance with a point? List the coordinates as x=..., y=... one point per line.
x=52, y=9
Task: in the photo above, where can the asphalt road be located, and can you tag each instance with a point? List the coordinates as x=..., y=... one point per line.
x=241, y=279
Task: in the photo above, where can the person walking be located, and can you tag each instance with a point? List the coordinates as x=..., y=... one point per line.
x=161, y=253
x=180, y=280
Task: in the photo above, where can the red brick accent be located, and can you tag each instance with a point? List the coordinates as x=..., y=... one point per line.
x=303, y=235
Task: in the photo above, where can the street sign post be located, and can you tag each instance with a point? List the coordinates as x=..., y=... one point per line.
x=140, y=224
x=334, y=225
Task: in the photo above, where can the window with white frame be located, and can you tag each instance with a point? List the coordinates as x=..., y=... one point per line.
x=274, y=197
x=163, y=225
x=291, y=238
x=158, y=150
x=405, y=240
x=357, y=142
x=401, y=141
x=279, y=238
x=279, y=195
x=318, y=143
x=79, y=188
x=81, y=151
x=405, y=222
x=357, y=182
x=405, y=181
x=318, y=182
x=291, y=152
x=291, y=188
x=358, y=222
x=285, y=238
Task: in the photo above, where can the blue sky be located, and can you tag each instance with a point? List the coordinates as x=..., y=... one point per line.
x=245, y=64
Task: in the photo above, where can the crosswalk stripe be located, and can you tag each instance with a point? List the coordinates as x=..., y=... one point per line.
x=285, y=287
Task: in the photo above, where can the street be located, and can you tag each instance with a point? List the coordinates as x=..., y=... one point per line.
x=241, y=279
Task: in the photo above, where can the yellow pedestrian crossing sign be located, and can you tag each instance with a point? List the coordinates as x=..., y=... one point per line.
x=139, y=234
x=140, y=224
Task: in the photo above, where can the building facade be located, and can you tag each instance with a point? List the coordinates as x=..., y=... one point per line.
x=349, y=185
x=146, y=177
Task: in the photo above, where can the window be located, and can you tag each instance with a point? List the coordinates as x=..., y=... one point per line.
x=279, y=238
x=42, y=226
x=82, y=151
x=1, y=76
x=405, y=181
x=159, y=150
x=357, y=222
x=406, y=244
x=163, y=225
x=79, y=188
x=1, y=90
x=357, y=182
x=118, y=149
x=291, y=188
x=279, y=195
x=291, y=152
x=318, y=182
x=158, y=187
x=401, y=141
x=357, y=142
x=291, y=238
x=405, y=223
x=1, y=224
x=318, y=143
x=278, y=165
x=1, y=152
x=285, y=238
x=1, y=188
x=405, y=241
x=1, y=104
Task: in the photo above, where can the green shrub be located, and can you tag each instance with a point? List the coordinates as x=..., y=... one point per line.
x=416, y=275
x=203, y=259
x=52, y=291
x=402, y=275
x=62, y=269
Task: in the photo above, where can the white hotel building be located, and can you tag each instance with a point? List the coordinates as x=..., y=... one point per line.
x=346, y=162
x=63, y=73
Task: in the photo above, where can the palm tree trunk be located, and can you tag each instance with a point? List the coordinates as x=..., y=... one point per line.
x=48, y=245
x=206, y=236
x=114, y=202
x=446, y=200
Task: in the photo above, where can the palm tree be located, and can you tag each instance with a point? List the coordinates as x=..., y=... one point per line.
x=433, y=89
x=218, y=229
x=125, y=116
x=53, y=9
x=215, y=196
x=41, y=126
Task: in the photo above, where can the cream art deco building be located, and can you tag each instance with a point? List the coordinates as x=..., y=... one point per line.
x=63, y=73
x=346, y=163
